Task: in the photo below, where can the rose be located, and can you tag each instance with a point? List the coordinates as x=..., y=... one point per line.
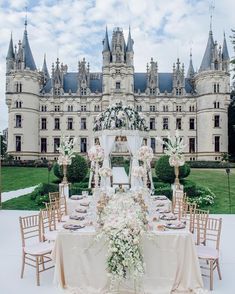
x=96, y=153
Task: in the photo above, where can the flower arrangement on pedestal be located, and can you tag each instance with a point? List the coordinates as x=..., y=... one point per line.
x=66, y=154
x=96, y=155
x=145, y=154
x=174, y=147
x=105, y=172
x=119, y=116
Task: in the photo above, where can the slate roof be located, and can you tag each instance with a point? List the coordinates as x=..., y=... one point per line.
x=140, y=83
x=208, y=55
x=28, y=56
x=10, y=52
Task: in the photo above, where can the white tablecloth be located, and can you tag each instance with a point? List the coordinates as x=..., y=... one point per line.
x=171, y=263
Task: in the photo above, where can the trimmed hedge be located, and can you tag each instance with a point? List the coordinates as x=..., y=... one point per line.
x=166, y=173
x=210, y=164
x=43, y=189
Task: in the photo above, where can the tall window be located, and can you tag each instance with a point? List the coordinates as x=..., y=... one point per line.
x=56, y=144
x=152, y=123
x=216, y=121
x=96, y=108
x=70, y=108
x=139, y=108
x=57, y=108
x=216, y=88
x=43, y=108
x=165, y=108
x=178, y=124
x=217, y=143
x=57, y=123
x=192, y=148
x=18, y=121
x=43, y=123
x=83, y=123
x=165, y=123
x=191, y=123
x=163, y=145
x=178, y=91
x=83, y=108
x=153, y=144
x=70, y=123
x=178, y=108
x=191, y=108
x=43, y=145
x=18, y=143
x=18, y=87
x=83, y=144
x=216, y=104
x=18, y=104
x=118, y=85
x=152, y=108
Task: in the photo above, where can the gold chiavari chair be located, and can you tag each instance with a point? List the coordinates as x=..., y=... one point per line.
x=187, y=213
x=178, y=200
x=35, y=253
x=54, y=196
x=49, y=231
x=210, y=251
x=200, y=225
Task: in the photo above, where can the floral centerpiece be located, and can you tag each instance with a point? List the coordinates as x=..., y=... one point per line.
x=105, y=172
x=96, y=155
x=66, y=154
x=123, y=224
x=174, y=147
x=138, y=172
x=119, y=116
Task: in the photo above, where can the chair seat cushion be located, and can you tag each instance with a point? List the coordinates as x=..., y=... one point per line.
x=206, y=252
x=41, y=248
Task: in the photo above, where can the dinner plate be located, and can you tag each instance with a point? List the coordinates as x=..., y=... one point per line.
x=77, y=197
x=160, y=204
x=86, y=204
x=160, y=198
x=77, y=217
x=175, y=226
x=163, y=210
x=73, y=227
x=81, y=210
x=168, y=217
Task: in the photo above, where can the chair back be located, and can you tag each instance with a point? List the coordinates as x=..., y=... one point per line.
x=200, y=225
x=54, y=196
x=47, y=221
x=30, y=228
x=213, y=231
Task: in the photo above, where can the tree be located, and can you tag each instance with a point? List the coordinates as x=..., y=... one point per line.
x=3, y=146
x=231, y=127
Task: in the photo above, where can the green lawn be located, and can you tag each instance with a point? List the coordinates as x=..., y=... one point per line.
x=217, y=181
x=20, y=203
x=14, y=178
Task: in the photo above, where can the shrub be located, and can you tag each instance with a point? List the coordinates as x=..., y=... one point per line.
x=41, y=200
x=210, y=164
x=76, y=172
x=166, y=173
x=78, y=191
x=164, y=191
x=43, y=189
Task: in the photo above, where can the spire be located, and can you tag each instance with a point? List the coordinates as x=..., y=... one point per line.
x=225, y=55
x=129, y=47
x=44, y=69
x=191, y=71
x=208, y=55
x=28, y=57
x=106, y=41
x=10, y=53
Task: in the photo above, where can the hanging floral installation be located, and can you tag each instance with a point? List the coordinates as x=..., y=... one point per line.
x=119, y=116
x=96, y=155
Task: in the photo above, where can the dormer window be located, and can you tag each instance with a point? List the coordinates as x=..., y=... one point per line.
x=18, y=104
x=118, y=85
x=57, y=108
x=178, y=91
x=83, y=107
x=83, y=91
x=178, y=108
x=70, y=108
x=44, y=108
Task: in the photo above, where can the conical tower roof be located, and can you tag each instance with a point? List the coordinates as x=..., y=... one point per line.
x=44, y=68
x=106, y=46
x=208, y=55
x=129, y=47
x=225, y=54
x=28, y=56
x=10, y=52
x=191, y=71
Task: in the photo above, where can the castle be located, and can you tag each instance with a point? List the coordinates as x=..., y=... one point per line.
x=42, y=107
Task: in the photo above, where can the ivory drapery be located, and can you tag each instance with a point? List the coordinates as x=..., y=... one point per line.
x=134, y=143
x=106, y=143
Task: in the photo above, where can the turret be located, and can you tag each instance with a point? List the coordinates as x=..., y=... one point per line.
x=106, y=49
x=57, y=78
x=152, y=78
x=225, y=56
x=178, y=79
x=118, y=46
x=45, y=72
x=191, y=72
x=129, y=50
x=10, y=57
x=83, y=78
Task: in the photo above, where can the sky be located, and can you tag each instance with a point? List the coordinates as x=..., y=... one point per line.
x=71, y=30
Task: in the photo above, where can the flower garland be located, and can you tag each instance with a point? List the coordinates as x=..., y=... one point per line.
x=124, y=220
x=145, y=154
x=120, y=116
x=66, y=150
x=105, y=172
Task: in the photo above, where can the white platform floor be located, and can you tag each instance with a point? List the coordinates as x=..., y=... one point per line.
x=10, y=260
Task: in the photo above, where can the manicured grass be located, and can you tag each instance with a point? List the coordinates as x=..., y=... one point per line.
x=217, y=181
x=20, y=203
x=14, y=178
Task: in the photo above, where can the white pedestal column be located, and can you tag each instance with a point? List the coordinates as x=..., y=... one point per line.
x=64, y=190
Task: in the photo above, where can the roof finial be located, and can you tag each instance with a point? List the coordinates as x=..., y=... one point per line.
x=211, y=9
x=26, y=20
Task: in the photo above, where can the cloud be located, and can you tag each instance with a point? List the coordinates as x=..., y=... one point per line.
x=73, y=29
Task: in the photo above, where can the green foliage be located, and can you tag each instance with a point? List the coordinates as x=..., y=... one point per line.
x=166, y=173
x=209, y=164
x=164, y=191
x=43, y=189
x=76, y=172
x=3, y=146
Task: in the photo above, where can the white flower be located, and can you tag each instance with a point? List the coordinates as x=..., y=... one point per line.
x=96, y=153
